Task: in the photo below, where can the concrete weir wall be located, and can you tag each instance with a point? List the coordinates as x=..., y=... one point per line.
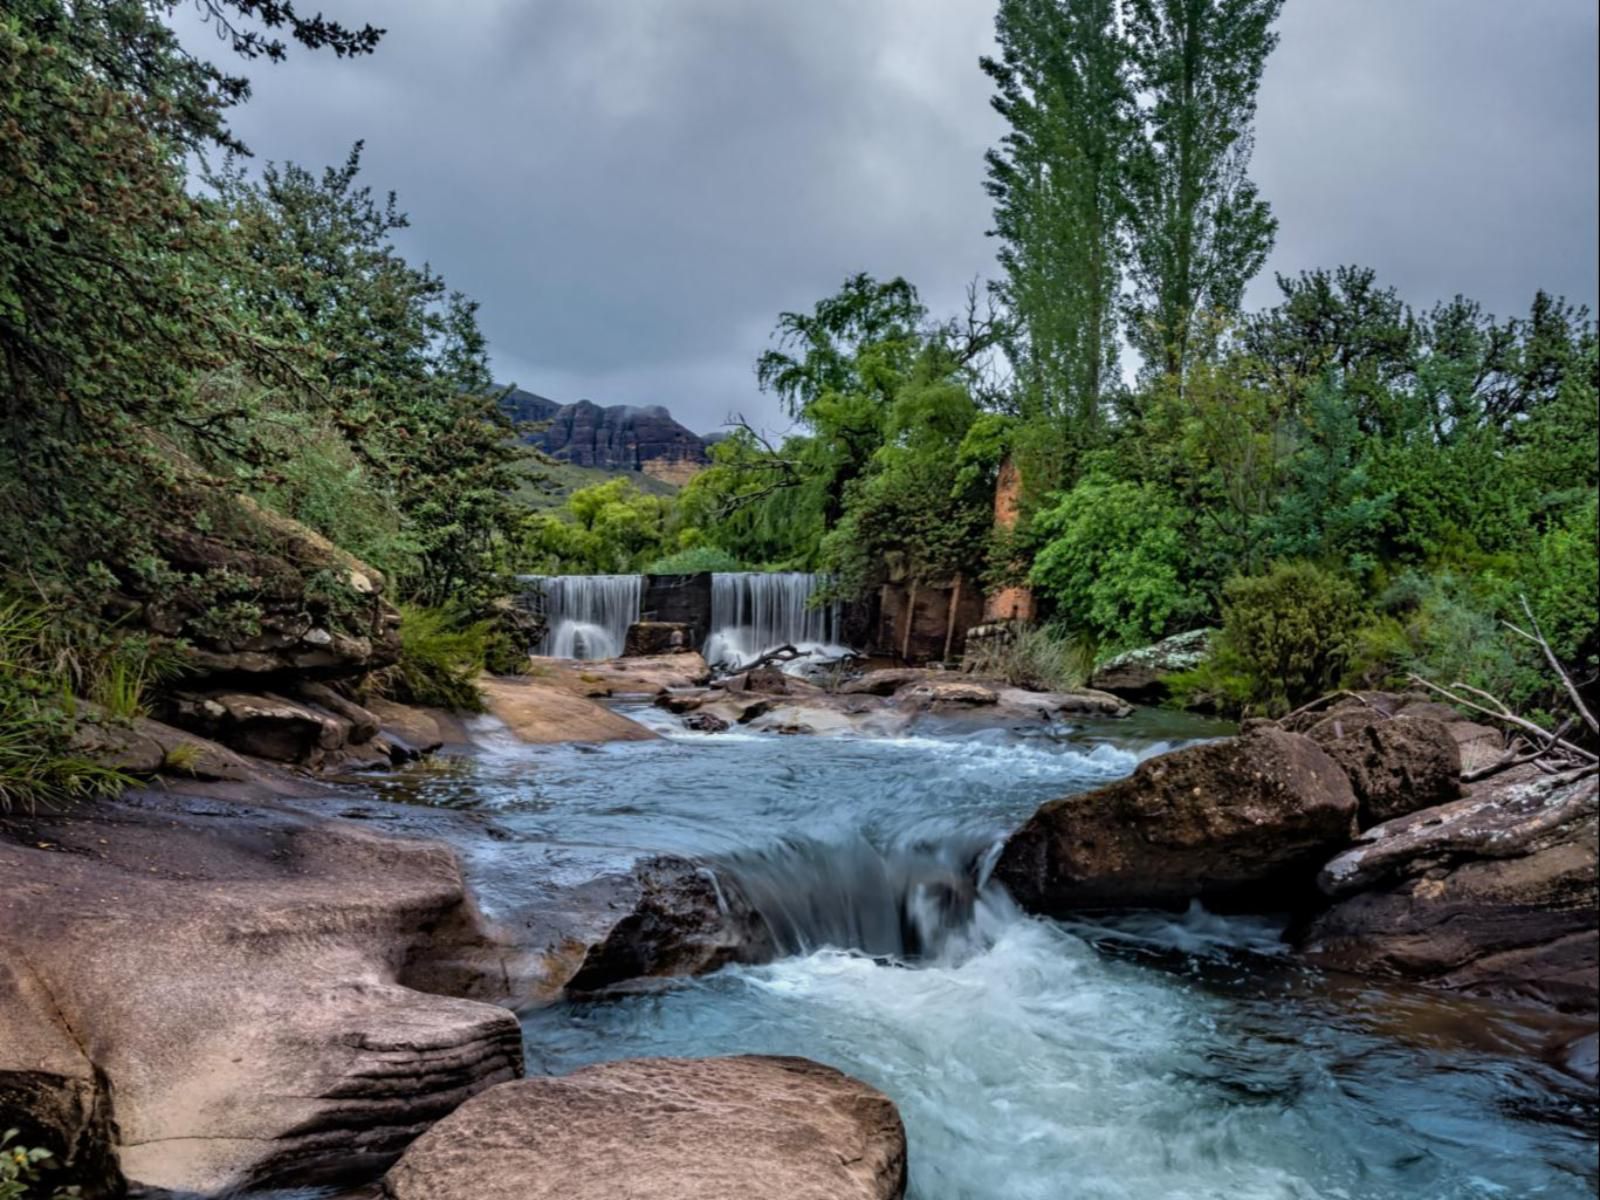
x=681, y=599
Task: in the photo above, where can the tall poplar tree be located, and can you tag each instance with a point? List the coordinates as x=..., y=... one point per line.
x=1062, y=84
x=1198, y=229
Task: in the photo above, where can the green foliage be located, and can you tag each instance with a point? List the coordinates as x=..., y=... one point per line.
x=1039, y=657
x=693, y=561
x=606, y=529
x=41, y=669
x=20, y=1166
x=1116, y=563
x=441, y=656
x=1286, y=637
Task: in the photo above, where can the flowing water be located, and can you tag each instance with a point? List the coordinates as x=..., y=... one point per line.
x=1149, y=1056
x=587, y=616
x=753, y=613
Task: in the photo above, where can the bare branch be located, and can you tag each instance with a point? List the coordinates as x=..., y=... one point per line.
x=1502, y=715
x=1537, y=638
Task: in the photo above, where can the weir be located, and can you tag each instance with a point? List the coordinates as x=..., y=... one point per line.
x=741, y=615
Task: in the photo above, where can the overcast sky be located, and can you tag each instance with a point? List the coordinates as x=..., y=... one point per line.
x=634, y=189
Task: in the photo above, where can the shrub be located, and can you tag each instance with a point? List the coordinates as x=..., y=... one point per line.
x=693, y=561
x=1039, y=658
x=441, y=657
x=1116, y=563
x=1286, y=637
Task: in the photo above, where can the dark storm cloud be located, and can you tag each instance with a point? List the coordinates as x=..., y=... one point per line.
x=635, y=188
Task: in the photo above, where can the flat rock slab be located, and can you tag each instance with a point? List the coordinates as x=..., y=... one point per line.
x=747, y=1128
x=544, y=713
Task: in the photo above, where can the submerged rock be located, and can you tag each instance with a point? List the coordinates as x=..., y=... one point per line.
x=1494, y=894
x=1243, y=821
x=746, y=1128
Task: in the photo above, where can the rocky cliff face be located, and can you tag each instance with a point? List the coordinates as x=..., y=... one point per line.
x=619, y=438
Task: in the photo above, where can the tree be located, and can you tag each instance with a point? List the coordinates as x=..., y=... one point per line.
x=1057, y=181
x=1198, y=229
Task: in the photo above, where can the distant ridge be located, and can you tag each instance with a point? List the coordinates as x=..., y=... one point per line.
x=621, y=437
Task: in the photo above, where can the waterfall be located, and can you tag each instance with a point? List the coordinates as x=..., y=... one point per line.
x=754, y=612
x=587, y=616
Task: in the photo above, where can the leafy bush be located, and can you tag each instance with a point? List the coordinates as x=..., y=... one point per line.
x=1286, y=637
x=441, y=657
x=19, y=1167
x=693, y=561
x=1116, y=563
x=1040, y=658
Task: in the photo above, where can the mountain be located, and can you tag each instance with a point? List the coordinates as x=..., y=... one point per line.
x=617, y=438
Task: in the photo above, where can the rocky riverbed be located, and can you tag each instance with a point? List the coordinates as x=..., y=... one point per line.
x=274, y=981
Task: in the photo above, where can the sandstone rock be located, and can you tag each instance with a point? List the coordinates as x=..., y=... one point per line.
x=1050, y=705
x=886, y=682
x=748, y=1128
x=266, y=725
x=364, y=723
x=947, y=694
x=1493, y=895
x=642, y=676
x=1396, y=765
x=650, y=638
x=536, y=712
x=238, y=997
x=1236, y=822
x=1139, y=675
x=421, y=730
x=684, y=920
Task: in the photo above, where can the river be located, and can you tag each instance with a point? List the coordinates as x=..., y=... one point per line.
x=1139, y=1057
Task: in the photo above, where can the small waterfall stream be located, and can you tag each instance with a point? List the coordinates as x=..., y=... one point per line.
x=587, y=616
x=754, y=612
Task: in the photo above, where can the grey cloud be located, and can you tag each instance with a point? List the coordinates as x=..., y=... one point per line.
x=635, y=188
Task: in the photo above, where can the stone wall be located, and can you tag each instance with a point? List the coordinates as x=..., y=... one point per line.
x=679, y=600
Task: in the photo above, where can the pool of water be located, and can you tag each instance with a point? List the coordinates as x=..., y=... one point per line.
x=1146, y=1056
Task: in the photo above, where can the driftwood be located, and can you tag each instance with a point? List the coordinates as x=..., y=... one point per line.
x=1538, y=639
x=1555, y=746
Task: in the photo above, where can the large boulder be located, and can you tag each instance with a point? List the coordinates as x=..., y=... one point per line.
x=1140, y=675
x=1396, y=765
x=204, y=996
x=1494, y=894
x=747, y=1128
x=1242, y=821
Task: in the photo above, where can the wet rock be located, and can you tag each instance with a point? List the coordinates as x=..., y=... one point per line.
x=416, y=729
x=705, y=723
x=685, y=702
x=218, y=997
x=1396, y=765
x=537, y=712
x=649, y=638
x=947, y=694
x=887, y=682
x=1494, y=895
x=684, y=919
x=1140, y=675
x=1049, y=706
x=643, y=676
x=747, y=1128
x=1240, y=822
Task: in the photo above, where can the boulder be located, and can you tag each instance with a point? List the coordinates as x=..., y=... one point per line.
x=705, y=723
x=1494, y=894
x=1239, y=822
x=145, y=747
x=888, y=681
x=941, y=694
x=364, y=723
x=683, y=920
x=651, y=638
x=1396, y=765
x=747, y=1128
x=418, y=729
x=537, y=712
x=207, y=997
x=643, y=676
x=1140, y=675
x=265, y=725
x=1048, y=706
